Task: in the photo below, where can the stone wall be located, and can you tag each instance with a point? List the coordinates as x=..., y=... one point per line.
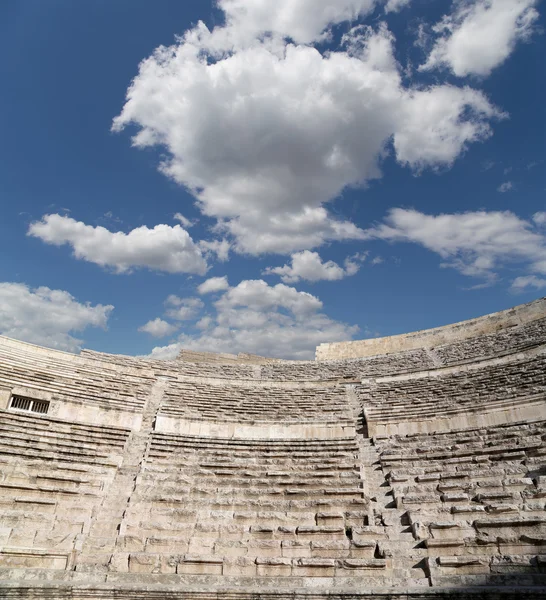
x=493, y=323
x=407, y=475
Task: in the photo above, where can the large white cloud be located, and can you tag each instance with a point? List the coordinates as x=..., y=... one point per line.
x=304, y=21
x=277, y=321
x=162, y=248
x=265, y=133
x=476, y=243
x=480, y=35
x=310, y=267
x=47, y=317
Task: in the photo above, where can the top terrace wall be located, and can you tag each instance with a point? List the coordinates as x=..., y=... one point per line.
x=519, y=315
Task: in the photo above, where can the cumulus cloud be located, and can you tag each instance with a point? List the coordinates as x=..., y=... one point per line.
x=521, y=283
x=47, y=317
x=480, y=35
x=277, y=321
x=475, y=243
x=162, y=248
x=303, y=21
x=505, y=187
x=264, y=133
x=183, y=309
x=214, y=284
x=158, y=328
x=310, y=267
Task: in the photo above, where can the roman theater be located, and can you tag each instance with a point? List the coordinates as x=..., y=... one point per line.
x=406, y=467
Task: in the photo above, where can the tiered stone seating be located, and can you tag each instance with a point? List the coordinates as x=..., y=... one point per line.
x=475, y=498
x=348, y=370
x=53, y=476
x=282, y=370
x=391, y=475
x=482, y=388
x=70, y=377
x=252, y=508
x=505, y=341
x=177, y=367
x=242, y=402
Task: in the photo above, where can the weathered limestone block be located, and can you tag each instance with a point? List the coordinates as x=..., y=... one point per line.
x=330, y=519
x=370, y=533
x=295, y=548
x=445, y=546
x=200, y=565
x=239, y=567
x=119, y=562
x=314, y=567
x=446, y=530
x=359, y=566
x=311, y=532
x=460, y=566
x=172, y=545
x=143, y=563
x=131, y=543
x=32, y=558
x=274, y=567
x=330, y=548
x=264, y=548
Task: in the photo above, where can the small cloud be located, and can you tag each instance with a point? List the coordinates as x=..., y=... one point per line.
x=109, y=216
x=505, y=187
x=214, y=284
x=507, y=170
x=220, y=248
x=540, y=218
x=521, y=283
x=533, y=164
x=395, y=5
x=182, y=219
x=158, y=328
x=488, y=164
x=377, y=260
x=183, y=309
x=309, y=266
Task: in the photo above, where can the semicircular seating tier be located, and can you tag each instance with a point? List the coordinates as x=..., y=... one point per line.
x=397, y=468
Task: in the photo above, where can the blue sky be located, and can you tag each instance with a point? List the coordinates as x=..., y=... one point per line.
x=328, y=170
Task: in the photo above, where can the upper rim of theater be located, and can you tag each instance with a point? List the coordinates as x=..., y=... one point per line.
x=339, y=351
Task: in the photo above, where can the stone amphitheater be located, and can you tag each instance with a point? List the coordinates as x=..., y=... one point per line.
x=399, y=468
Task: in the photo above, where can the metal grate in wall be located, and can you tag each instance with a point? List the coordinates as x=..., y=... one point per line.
x=29, y=404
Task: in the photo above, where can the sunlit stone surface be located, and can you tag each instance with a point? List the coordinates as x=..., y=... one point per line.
x=404, y=467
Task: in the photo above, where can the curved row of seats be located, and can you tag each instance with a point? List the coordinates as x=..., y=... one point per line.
x=71, y=377
x=242, y=402
x=504, y=341
x=481, y=388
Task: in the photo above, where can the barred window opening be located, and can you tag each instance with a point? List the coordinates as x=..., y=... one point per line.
x=29, y=404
